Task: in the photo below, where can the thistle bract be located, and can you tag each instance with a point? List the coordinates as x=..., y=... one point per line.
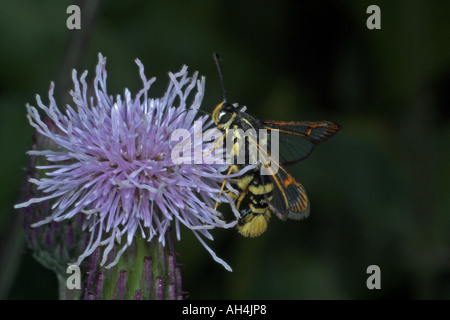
x=113, y=163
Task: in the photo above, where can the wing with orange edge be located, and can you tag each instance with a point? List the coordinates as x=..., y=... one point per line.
x=297, y=139
x=289, y=198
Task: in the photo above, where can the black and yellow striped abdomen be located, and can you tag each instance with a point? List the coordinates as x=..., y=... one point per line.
x=258, y=188
x=255, y=217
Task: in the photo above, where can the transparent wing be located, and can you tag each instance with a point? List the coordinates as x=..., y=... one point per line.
x=289, y=198
x=297, y=139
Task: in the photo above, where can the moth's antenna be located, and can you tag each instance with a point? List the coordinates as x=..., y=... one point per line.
x=217, y=60
x=207, y=113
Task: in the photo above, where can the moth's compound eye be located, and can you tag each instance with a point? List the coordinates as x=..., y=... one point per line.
x=224, y=117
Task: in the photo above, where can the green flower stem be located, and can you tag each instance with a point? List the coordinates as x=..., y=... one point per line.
x=145, y=271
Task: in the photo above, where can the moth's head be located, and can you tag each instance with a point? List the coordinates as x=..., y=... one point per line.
x=223, y=115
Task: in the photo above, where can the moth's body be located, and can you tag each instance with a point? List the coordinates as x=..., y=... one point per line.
x=255, y=216
x=276, y=192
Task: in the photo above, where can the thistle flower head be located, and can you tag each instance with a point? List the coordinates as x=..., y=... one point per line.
x=113, y=163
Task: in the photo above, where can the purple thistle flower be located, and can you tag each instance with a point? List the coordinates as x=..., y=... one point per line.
x=113, y=164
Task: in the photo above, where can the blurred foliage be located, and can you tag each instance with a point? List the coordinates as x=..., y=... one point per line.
x=378, y=189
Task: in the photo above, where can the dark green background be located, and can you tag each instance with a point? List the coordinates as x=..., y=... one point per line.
x=379, y=190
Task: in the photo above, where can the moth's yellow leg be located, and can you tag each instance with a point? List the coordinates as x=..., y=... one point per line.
x=223, y=186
